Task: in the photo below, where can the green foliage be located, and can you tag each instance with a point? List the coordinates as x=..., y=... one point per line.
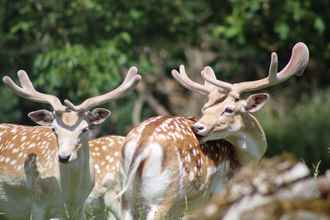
x=265, y=19
x=302, y=130
x=9, y=110
x=79, y=70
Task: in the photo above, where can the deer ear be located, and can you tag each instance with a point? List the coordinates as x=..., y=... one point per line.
x=255, y=102
x=42, y=117
x=98, y=115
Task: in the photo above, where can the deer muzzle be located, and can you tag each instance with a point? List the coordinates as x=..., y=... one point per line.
x=200, y=129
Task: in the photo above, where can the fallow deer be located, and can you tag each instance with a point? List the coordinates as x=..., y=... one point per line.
x=227, y=114
x=66, y=161
x=167, y=168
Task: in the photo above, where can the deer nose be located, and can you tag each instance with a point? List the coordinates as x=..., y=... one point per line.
x=64, y=159
x=200, y=129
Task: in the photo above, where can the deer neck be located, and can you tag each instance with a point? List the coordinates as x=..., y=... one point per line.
x=77, y=175
x=250, y=142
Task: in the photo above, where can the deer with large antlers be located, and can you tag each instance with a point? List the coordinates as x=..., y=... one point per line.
x=67, y=162
x=227, y=115
x=168, y=168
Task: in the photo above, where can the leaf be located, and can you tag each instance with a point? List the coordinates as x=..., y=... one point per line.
x=283, y=30
x=319, y=25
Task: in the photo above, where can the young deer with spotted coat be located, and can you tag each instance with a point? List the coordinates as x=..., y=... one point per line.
x=66, y=162
x=168, y=169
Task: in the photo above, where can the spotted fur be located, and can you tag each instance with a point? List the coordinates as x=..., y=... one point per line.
x=18, y=143
x=188, y=168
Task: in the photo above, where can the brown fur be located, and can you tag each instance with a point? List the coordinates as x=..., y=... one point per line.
x=175, y=136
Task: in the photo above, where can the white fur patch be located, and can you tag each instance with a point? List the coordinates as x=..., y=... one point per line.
x=152, y=212
x=220, y=177
x=249, y=149
x=130, y=149
x=210, y=171
x=154, y=180
x=155, y=158
x=181, y=174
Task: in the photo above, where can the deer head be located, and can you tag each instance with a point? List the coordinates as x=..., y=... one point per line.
x=226, y=114
x=71, y=124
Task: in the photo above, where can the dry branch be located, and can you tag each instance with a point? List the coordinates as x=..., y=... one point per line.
x=277, y=188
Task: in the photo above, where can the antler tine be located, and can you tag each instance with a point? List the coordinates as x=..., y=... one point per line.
x=131, y=79
x=209, y=76
x=29, y=92
x=186, y=82
x=297, y=64
x=273, y=67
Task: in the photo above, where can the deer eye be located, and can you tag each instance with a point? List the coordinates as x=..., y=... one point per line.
x=229, y=110
x=85, y=130
x=53, y=129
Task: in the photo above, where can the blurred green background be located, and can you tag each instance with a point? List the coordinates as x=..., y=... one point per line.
x=81, y=48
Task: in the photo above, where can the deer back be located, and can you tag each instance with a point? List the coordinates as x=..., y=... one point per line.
x=190, y=163
x=17, y=142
